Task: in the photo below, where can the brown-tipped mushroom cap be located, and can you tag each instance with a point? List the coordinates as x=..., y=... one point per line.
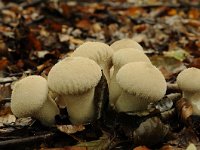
x=74, y=75
x=142, y=79
x=96, y=51
x=126, y=55
x=29, y=95
x=125, y=43
x=189, y=80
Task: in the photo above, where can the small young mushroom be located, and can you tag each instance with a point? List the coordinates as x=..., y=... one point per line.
x=141, y=84
x=189, y=82
x=119, y=59
x=101, y=53
x=74, y=79
x=125, y=43
x=30, y=99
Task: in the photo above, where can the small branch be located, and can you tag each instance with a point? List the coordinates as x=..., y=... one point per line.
x=33, y=139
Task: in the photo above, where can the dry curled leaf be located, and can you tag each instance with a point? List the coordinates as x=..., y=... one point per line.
x=141, y=148
x=147, y=132
x=70, y=129
x=101, y=144
x=184, y=109
x=184, y=138
x=5, y=91
x=7, y=119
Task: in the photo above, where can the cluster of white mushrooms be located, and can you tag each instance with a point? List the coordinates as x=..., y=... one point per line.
x=132, y=80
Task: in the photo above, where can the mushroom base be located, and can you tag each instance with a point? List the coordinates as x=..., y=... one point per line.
x=80, y=107
x=193, y=99
x=130, y=103
x=47, y=113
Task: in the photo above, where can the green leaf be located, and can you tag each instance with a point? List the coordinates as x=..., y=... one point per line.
x=179, y=54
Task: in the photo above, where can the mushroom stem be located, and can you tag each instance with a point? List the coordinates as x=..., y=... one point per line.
x=188, y=95
x=114, y=88
x=48, y=111
x=106, y=71
x=80, y=107
x=130, y=103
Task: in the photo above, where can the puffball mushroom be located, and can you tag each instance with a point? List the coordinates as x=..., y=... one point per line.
x=188, y=81
x=119, y=59
x=30, y=99
x=101, y=53
x=74, y=79
x=141, y=84
x=125, y=43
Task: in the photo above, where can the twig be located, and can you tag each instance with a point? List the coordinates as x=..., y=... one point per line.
x=37, y=138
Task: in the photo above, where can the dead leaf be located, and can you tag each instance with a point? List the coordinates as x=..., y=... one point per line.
x=177, y=54
x=101, y=144
x=7, y=119
x=147, y=132
x=184, y=109
x=172, y=12
x=75, y=148
x=84, y=24
x=194, y=13
x=66, y=148
x=184, y=138
x=195, y=63
x=134, y=11
x=34, y=42
x=5, y=91
x=5, y=111
x=70, y=129
x=28, y=121
x=3, y=63
x=141, y=148
x=168, y=147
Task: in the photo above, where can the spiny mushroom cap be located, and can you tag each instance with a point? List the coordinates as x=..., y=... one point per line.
x=125, y=43
x=189, y=80
x=142, y=79
x=29, y=95
x=74, y=75
x=96, y=51
x=126, y=55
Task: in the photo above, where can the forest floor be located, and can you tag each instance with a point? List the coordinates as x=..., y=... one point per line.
x=35, y=34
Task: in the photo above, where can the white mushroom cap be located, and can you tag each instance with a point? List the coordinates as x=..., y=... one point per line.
x=96, y=51
x=101, y=53
x=119, y=59
x=74, y=75
x=189, y=80
x=125, y=43
x=142, y=79
x=29, y=95
x=126, y=55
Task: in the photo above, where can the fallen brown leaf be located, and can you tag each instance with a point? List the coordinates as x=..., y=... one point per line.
x=3, y=63
x=70, y=129
x=141, y=148
x=184, y=109
x=84, y=24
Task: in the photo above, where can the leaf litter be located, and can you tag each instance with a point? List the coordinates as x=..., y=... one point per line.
x=35, y=34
